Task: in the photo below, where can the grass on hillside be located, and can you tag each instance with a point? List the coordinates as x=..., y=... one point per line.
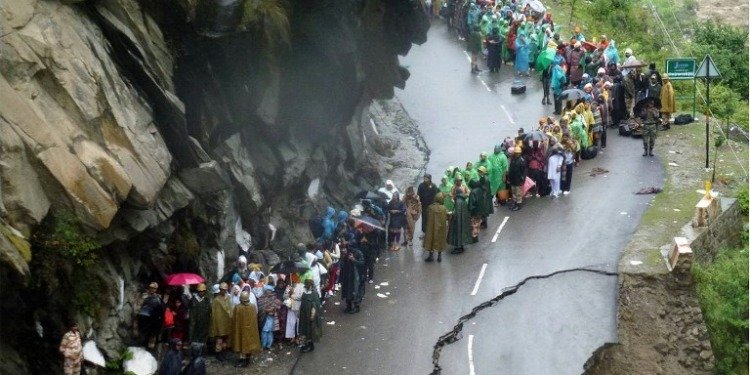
x=723, y=294
x=683, y=181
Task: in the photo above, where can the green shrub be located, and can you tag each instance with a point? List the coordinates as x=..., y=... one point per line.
x=62, y=234
x=115, y=365
x=723, y=293
x=742, y=198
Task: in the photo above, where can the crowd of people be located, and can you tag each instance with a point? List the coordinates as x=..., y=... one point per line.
x=523, y=34
x=248, y=310
x=592, y=89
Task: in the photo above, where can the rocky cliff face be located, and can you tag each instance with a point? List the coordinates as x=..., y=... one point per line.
x=142, y=137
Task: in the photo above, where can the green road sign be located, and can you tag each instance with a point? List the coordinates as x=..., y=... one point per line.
x=678, y=69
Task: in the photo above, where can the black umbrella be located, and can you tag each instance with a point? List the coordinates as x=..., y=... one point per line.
x=572, y=94
x=368, y=224
x=289, y=266
x=536, y=135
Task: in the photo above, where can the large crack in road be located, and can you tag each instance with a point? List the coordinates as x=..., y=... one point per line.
x=454, y=335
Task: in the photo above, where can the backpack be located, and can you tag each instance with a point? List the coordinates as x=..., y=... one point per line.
x=589, y=153
x=518, y=87
x=624, y=129
x=316, y=225
x=683, y=119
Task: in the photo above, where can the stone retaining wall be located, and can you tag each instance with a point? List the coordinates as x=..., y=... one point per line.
x=725, y=232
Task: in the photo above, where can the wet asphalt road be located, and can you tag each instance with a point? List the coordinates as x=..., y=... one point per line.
x=550, y=326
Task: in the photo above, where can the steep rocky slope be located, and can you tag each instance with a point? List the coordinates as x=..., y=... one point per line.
x=142, y=137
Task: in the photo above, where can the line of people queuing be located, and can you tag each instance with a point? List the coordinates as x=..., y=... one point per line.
x=513, y=32
x=506, y=32
x=612, y=91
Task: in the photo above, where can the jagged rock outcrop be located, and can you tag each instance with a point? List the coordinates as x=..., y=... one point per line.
x=163, y=132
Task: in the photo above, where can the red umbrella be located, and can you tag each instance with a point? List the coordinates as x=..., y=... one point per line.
x=183, y=278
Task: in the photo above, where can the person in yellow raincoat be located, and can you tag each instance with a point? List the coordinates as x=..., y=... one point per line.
x=667, y=100
x=589, y=120
x=245, y=334
x=436, y=235
x=221, y=320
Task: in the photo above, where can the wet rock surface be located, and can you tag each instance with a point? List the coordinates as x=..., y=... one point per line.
x=161, y=140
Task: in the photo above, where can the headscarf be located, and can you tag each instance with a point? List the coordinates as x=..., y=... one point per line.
x=342, y=216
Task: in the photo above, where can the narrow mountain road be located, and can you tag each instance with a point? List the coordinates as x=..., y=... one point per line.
x=549, y=326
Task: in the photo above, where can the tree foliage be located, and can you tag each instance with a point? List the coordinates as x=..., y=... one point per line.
x=727, y=45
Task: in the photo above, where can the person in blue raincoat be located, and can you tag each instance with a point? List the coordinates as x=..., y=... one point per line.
x=611, y=54
x=329, y=224
x=522, y=55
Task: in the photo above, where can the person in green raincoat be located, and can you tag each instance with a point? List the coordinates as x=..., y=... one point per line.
x=533, y=49
x=459, y=229
x=498, y=169
x=578, y=131
x=470, y=173
x=483, y=161
x=445, y=187
x=480, y=203
x=528, y=28
x=449, y=175
x=558, y=82
x=485, y=24
x=310, y=321
x=474, y=46
x=495, y=23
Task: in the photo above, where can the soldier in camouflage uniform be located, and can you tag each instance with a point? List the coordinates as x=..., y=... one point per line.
x=72, y=351
x=650, y=120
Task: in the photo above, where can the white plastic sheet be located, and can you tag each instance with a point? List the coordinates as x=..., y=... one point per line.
x=92, y=354
x=143, y=363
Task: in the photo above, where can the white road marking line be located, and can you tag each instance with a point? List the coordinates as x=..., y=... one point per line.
x=485, y=85
x=479, y=280
x=471, y=355
x=468, y=58
x=507, y=114
x=494, y=238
